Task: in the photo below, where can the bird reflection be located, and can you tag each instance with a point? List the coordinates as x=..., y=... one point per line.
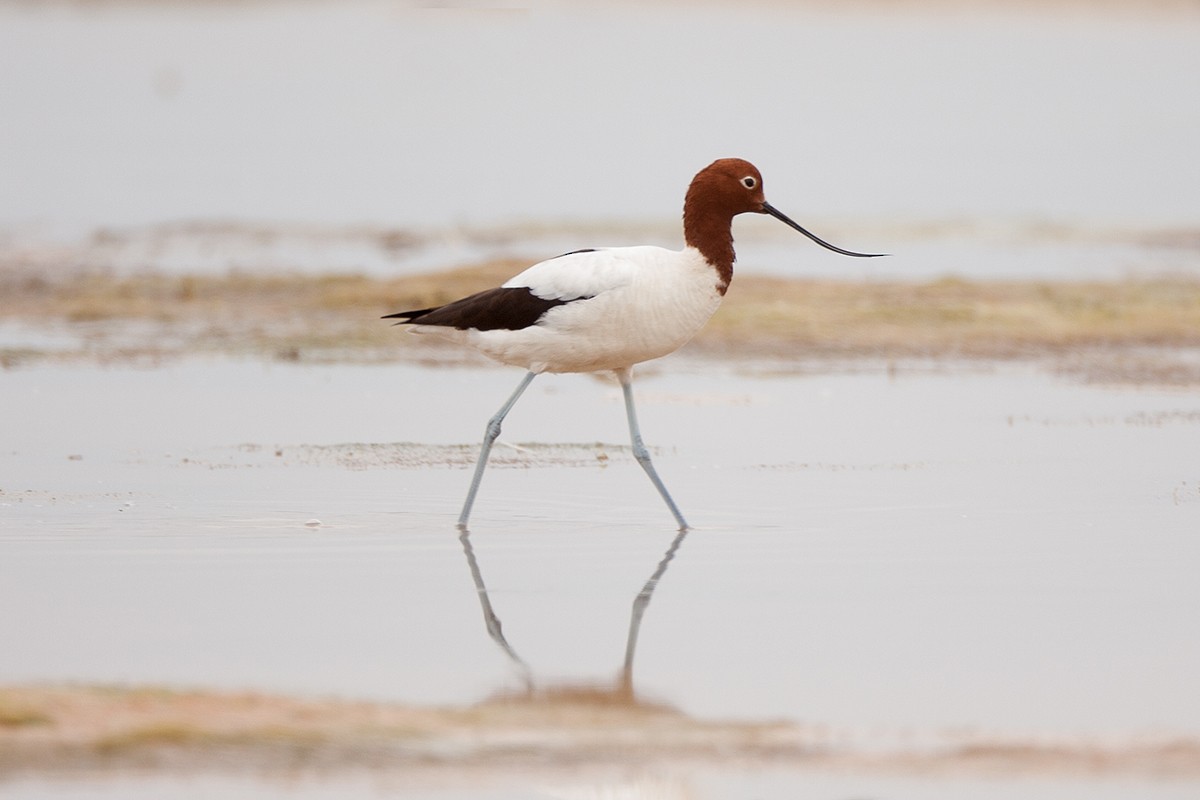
x=622, y=688
x=494, y=629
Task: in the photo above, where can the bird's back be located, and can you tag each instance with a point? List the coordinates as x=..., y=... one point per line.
x=605, y=309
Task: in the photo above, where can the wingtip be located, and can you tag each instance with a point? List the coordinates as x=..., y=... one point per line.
x=403, y=317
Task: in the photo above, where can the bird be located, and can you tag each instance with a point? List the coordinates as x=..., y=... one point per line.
x=609, y=309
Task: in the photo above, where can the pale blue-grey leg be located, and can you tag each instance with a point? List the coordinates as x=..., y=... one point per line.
x=639, y=449
x=493, y=430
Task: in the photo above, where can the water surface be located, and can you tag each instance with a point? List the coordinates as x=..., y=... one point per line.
x=996, y=548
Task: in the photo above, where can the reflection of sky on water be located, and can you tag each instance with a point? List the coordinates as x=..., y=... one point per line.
x=364, y=112
x=763, y=245
x=996, y=549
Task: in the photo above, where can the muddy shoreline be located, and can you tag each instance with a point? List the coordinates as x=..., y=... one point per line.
x=80, y=729
x=1125, y=331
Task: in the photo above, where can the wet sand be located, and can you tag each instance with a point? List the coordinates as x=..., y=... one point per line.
x=78, y=730
x=1143, y=330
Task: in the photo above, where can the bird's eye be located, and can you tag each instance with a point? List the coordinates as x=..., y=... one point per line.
x=749, y=182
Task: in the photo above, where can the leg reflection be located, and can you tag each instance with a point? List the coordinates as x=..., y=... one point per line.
x=622, y=691
x=639, y=608
x=489, y=616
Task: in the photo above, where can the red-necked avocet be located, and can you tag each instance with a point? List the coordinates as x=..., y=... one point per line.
x=607, y=309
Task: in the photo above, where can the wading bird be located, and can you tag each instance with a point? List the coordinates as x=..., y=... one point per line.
x=605, y=310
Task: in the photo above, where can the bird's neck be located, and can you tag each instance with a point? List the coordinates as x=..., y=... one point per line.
x=711, y=232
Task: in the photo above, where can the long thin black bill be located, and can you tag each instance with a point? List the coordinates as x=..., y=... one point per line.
x=779, y=215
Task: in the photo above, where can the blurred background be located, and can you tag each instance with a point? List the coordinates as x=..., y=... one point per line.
x=983, y=139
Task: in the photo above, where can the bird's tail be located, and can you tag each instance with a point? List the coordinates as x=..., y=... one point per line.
x=408, y=317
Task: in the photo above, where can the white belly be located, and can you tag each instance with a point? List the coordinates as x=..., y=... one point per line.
x=656, y=308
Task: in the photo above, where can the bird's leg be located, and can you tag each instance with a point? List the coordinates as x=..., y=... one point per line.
x=639, y=449
x=493, y=430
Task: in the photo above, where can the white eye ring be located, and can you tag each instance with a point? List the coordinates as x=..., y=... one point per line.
x=749, y=182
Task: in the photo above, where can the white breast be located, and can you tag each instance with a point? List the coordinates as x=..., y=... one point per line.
x=641, y=303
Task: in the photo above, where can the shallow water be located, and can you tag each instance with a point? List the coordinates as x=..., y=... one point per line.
x=888, y=554
x=1017, y=252
x=995, y=548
